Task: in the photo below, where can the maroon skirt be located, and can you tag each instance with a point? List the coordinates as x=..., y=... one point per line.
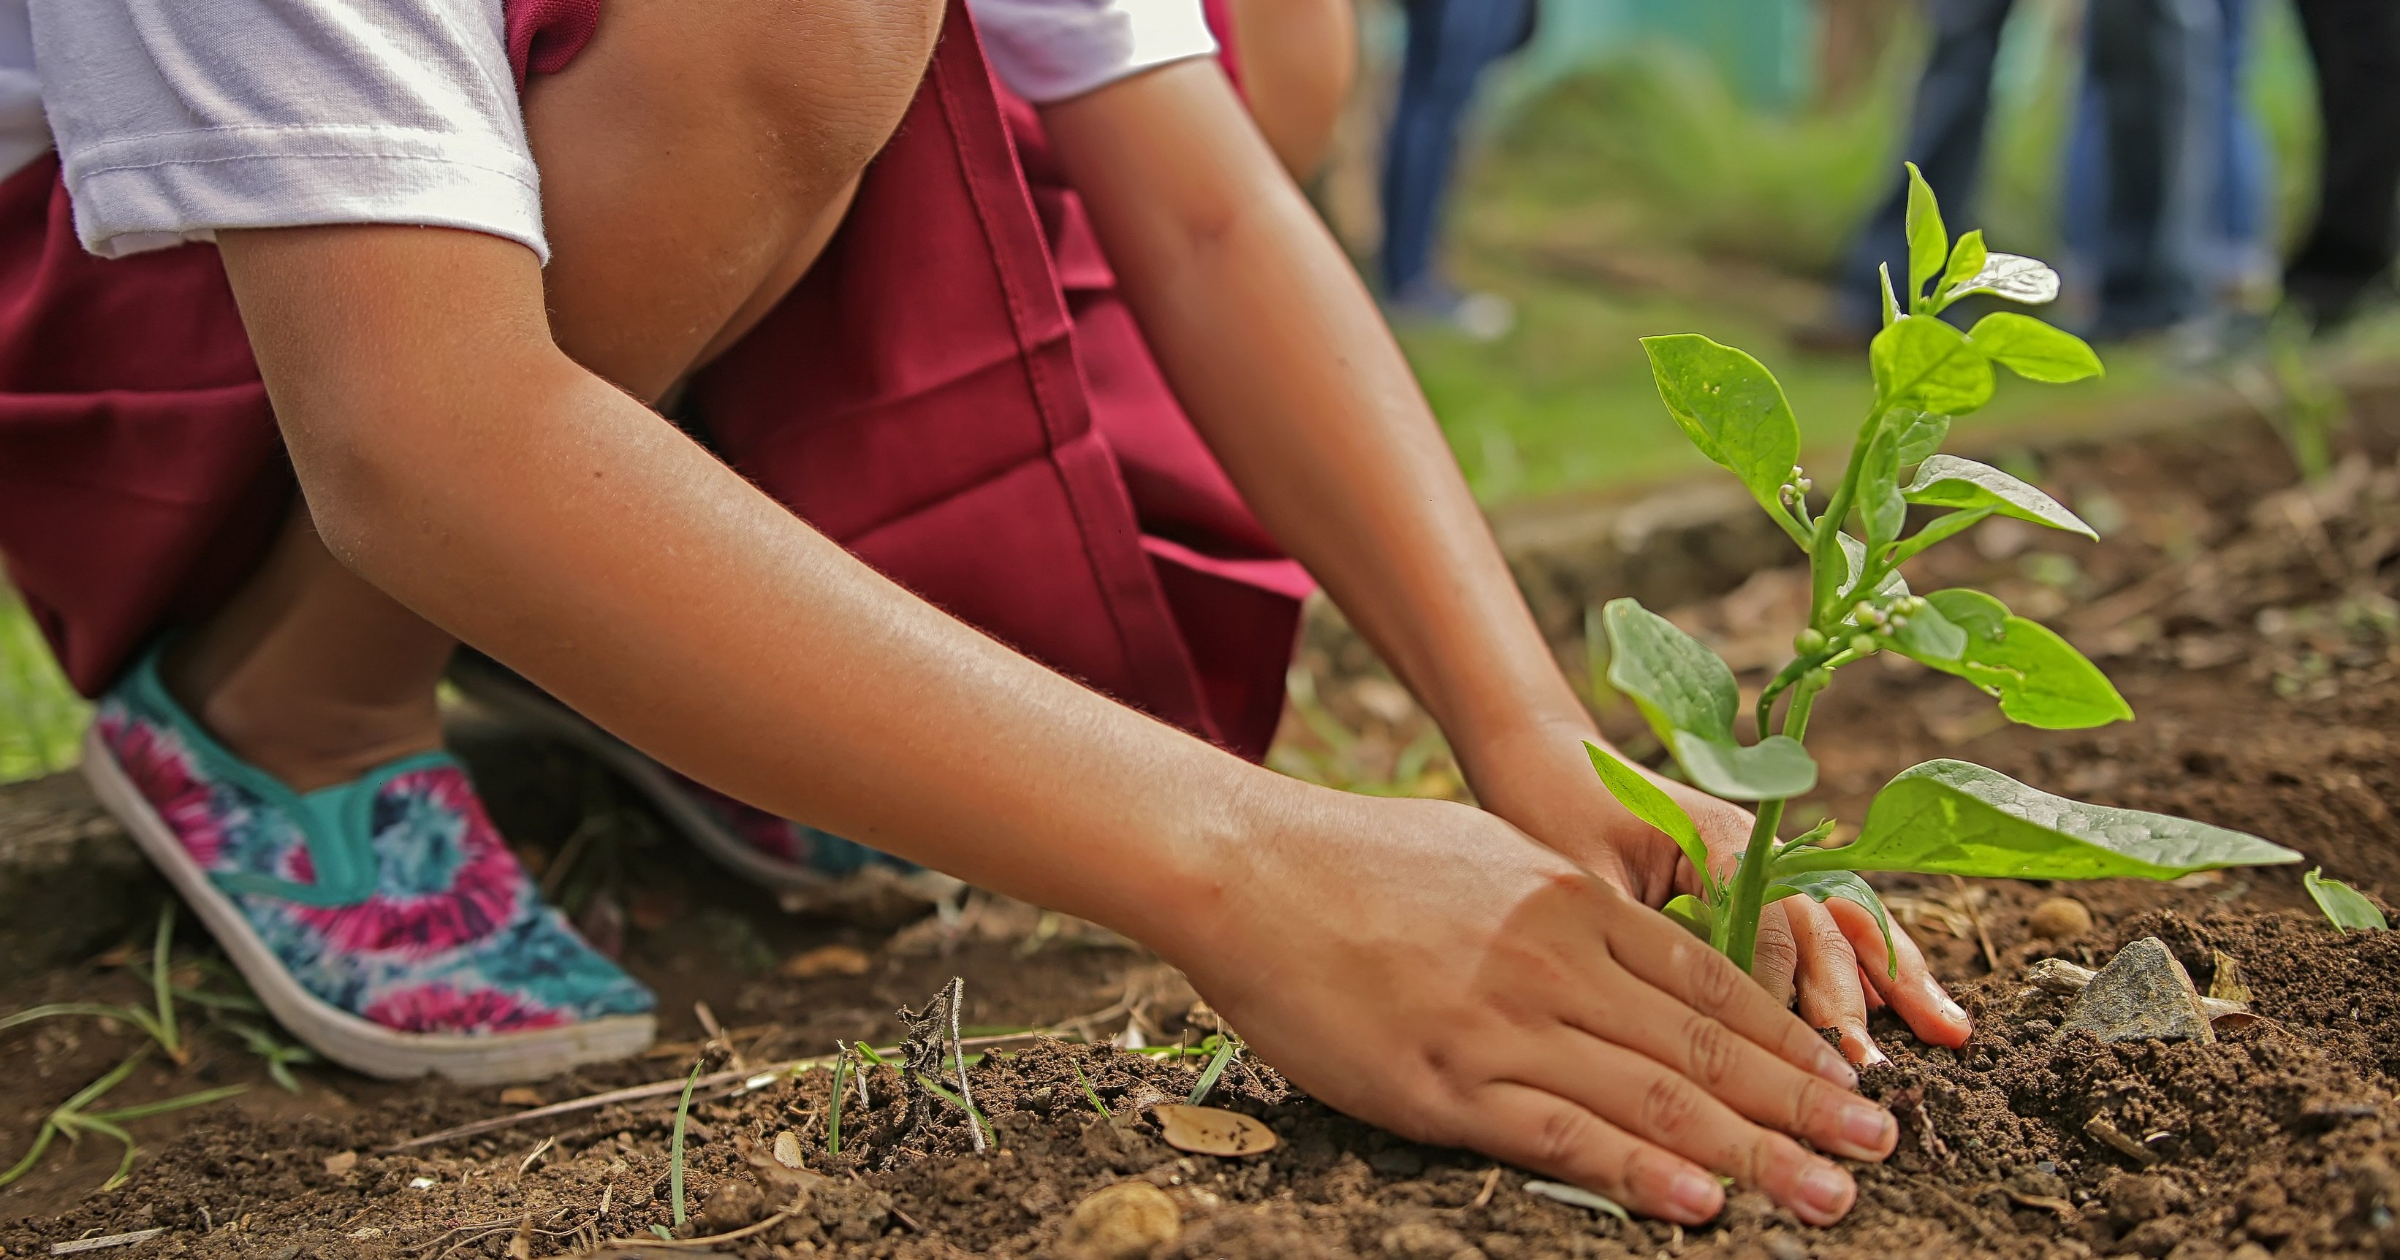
x=955, y=392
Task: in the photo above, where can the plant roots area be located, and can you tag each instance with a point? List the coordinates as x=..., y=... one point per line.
x=2252, y=625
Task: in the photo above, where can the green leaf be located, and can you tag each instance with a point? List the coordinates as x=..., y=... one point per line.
x=1948, y=481
x=1855, y=552
x=1891, y=300
x=1938, y=530
x=1918, y=434
x=1678, y=684
x=2345, y=906
x=1650, y=803
x=2038, y=677
x=2033, y=349
x=1769, y=770
x=1689, y=698
x=1952, y=818
x=1731, y=407
x=1930, y=637
x=1823, y=886
x=2013, y=276
x=1880, y=507
x=1928, y=239
x=1966, y=262
x=1926, y=365
x=1695, y=915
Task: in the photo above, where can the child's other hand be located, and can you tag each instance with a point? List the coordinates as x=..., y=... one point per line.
x=1427, y=967
x=1831, y=956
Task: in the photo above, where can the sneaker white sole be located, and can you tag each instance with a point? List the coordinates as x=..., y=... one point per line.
x=519, y=703
x=344, y=1038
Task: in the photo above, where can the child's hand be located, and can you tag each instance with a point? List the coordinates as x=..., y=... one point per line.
x=1427, y=967
x=1544, y=784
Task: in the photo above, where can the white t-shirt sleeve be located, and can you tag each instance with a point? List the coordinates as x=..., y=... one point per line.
x=1049, y=50
x=177, y=118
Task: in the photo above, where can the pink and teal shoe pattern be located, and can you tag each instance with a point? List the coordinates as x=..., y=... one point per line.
x=391, y=898
x=810, y=854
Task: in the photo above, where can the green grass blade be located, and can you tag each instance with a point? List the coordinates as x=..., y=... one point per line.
x=199, y=1099
x=833, y=1114
x=954, y=1100
x=1091, y=1093
x=41, y=1143
x=1227, y=1047
x=683, y=1111
x=97, y=1010
x=116, y=1076
x=161, y=986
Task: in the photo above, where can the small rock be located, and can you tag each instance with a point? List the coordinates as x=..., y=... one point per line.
x=341, y=1162
x=1786, y=1247
x=520, y=1096
x=2154, y=1238
x=2252, y=1251
x=1424, y=1240
x=2060, y=919
x=735, y=1204
x=2035, y=1181
x=1126, y=1221
x=2143, y=994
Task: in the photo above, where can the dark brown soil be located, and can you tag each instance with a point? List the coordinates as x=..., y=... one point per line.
x=2253, y=632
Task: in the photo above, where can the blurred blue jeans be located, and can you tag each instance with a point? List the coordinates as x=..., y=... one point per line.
x=1450, y=45
x=2166, y=199
x=1945, y=140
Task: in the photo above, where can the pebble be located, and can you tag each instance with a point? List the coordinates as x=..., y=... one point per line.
x=2060, y=919
x=1126, y=1221
x=1786, y=1247
x=2141, y=995
x=1424, y=1240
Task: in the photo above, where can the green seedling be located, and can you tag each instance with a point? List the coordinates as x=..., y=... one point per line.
x=160, y=1024
x=833, y=1112
x=683, y=1114
x=1225, y=1048
x=2346, y=907
x=1942, y=817
x=1091, y=1093
x=71, y=1120
x=983, y=1127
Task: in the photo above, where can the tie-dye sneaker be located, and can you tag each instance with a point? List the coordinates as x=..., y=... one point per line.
x=382, y=921
x=789, y=857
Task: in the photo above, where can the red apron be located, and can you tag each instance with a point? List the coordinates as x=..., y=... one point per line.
x=955, y=392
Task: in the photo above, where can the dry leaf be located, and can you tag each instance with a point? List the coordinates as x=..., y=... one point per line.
x=826, y=960
x=342, y=1162
x=2045, y=1202
x=1211, y=1131
x=787, y=1150
x=521, y=1246
x=520, y=1096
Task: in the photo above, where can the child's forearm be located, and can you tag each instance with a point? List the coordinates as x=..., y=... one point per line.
x=1282, y=361
x=517, y=501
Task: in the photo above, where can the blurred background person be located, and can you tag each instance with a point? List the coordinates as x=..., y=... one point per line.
x=2356, y=47
x=1946, y=134
x=1451, y=43
x=2166, y=214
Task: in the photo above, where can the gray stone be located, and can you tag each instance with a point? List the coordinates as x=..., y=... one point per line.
x=2143, y=994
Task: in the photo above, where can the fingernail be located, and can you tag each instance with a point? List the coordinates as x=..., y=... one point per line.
x=1953, y=1012
x=1874, y=1057
x=1694, y=1196
x=1865, y=1127
x=1833, y=1067
x=1826, y=1190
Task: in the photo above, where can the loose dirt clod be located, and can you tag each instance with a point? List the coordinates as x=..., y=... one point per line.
x=2062, y=920
x=2143, y=994
x=1126, y=1221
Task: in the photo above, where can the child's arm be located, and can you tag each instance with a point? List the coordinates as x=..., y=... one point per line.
x=1279, y=356
x=1420, y=964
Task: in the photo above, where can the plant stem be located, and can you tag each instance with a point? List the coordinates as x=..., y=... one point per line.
x=1747, y=897
x=1826, y=551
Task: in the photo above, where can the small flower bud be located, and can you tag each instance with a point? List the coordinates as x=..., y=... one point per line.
x=1809, y=642
x=1899, y=622
x=1862, y=644
x=1818, y=679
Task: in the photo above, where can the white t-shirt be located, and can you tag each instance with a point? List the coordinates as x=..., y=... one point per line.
x=175, y=118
